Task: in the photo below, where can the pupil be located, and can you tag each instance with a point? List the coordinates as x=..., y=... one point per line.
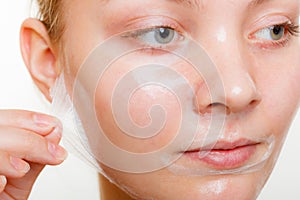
x=164, y=33
x=277, y=30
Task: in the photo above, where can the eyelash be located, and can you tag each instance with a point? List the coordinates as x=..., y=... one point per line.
x=147, y=48
x=291, y=30
x=139, y=32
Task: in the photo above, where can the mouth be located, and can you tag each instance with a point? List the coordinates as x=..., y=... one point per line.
x=224, y=155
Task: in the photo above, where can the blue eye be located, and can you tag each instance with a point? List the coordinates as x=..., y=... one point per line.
x=158, y=36
x=272, y=33
x=164, y=35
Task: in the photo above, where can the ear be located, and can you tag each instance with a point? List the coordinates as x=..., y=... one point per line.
x=38, y=55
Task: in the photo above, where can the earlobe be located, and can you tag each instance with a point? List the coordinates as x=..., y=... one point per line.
x=38, y=55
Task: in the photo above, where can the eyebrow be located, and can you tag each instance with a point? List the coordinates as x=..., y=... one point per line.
x=190, y=3
x=257, y=2
x=198, y=3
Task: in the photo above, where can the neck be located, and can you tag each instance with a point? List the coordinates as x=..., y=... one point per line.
x=110, y=191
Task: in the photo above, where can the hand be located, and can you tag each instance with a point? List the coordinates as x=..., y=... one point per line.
x=28, y=142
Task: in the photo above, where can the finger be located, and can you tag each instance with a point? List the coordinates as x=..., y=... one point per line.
x=36, y=122
x=12, y=167
x=30, y=147
x=55, y=135
x=3, y=182
x=25, y=182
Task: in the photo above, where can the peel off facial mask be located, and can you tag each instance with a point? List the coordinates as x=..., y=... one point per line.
x=138, y=109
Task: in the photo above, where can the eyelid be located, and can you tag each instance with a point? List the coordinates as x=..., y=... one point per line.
x=137, y=36
x=268, y=21
x=139, y=32
x=143, y=25
x=152, y=22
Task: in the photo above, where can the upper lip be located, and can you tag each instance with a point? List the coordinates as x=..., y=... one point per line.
x=223, y=145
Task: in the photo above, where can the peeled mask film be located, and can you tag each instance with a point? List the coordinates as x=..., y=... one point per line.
x=136, y=110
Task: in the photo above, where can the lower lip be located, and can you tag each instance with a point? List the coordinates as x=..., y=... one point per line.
x=225, y=159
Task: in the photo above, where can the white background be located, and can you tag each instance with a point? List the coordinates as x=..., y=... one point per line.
x=74, y=180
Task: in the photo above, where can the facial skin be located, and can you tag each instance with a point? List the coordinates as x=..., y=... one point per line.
x=260, y=78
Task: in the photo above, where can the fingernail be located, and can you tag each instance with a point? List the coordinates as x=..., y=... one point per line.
x=44, y=120
x=57, y=151
x=3, y=180
x=20, y=165
x=57, y=132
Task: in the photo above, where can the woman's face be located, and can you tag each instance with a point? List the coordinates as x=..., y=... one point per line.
x=257, y=58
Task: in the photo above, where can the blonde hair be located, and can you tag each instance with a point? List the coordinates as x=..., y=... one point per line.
x=51, y=16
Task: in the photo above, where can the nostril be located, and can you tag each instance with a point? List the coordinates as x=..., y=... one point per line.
x=215, y=107
x=244, y=108
x=238, y=94
x=254, y=103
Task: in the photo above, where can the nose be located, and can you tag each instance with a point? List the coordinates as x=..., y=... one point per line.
x=239, y=92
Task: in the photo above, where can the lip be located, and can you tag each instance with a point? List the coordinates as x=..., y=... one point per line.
x=224, y=154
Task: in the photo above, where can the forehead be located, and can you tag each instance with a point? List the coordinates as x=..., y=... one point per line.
x=122, y=5
x=201, y=3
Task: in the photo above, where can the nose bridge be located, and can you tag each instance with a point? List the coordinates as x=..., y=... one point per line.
x=235, y=70
x=233, y=61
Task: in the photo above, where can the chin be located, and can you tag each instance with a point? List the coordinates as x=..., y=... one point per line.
x=228, y=187
x=164, y=185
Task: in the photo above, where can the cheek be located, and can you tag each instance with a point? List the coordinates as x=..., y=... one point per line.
x=152, y=102
x=280, y=90
x=144, y=118
x=144, y=121
x=277, y=78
